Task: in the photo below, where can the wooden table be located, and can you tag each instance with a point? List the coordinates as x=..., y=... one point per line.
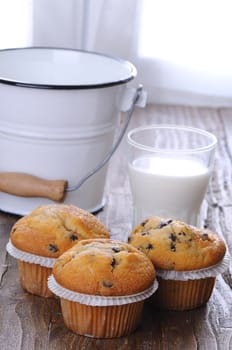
x=29, y=322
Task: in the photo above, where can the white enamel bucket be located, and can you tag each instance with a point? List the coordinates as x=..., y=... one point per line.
x=59, y=112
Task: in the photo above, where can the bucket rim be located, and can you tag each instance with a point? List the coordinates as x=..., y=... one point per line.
x=130, y=70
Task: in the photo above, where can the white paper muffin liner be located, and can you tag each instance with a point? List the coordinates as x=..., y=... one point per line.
x=98, y=300
x=211, y=271
x=28, y=257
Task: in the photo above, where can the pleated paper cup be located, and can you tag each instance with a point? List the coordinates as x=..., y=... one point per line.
x=100, y=316
x=34, y=271
x=186, y=290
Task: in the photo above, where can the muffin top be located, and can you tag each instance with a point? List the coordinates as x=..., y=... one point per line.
x=50, y=230
x=104, y=267
x=174, y=245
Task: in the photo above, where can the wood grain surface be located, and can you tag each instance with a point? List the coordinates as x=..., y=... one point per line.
x=28, y=322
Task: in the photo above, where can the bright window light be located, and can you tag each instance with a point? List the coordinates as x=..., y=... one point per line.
x=15, y=23
x=193, y=33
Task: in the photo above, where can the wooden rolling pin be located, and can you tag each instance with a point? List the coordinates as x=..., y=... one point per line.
x=25, y=185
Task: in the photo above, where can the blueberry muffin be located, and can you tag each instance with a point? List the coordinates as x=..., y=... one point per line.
x=179, y=251
x=102, y=284
x=39, y=238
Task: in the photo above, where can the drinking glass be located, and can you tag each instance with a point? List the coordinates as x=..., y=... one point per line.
x=169, y=171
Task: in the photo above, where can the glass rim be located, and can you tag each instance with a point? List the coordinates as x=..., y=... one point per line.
x=190, y=129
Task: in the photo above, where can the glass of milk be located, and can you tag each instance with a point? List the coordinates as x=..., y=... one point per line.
x=169, y=171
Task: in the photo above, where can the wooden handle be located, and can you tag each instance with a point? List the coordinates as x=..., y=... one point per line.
x=26, y=185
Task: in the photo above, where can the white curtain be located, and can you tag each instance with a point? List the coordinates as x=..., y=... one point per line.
x=181, y=48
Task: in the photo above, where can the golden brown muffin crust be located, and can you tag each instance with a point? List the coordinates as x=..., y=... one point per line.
x=50, y=230
x=174, y=245
x=104, y=267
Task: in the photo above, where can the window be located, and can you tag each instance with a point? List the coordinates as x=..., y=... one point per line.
x=184, y=48
x=15, y=23
x=191, y=33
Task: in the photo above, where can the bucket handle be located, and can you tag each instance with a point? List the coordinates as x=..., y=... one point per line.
x=26, y=185
x=115, y=146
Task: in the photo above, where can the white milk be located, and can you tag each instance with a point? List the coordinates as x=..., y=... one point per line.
x=168, y=187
